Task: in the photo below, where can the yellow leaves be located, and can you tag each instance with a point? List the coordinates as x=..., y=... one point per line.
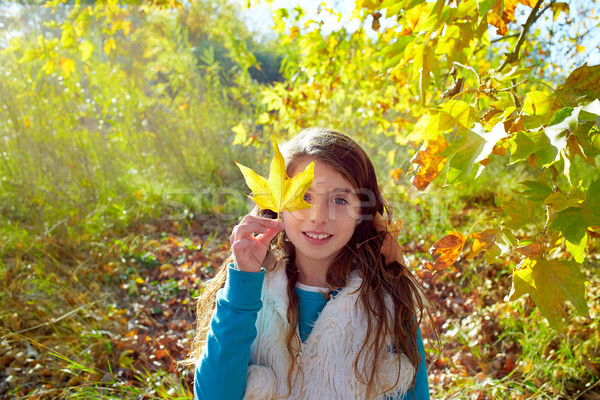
x=67, y=65
x=503, y=12
x=67, y=38
x=462, y=112
x=123, y=25
x=49, y=67
x=577, y=250
x=550, y=283
x=435, y=122
x=415, y=18
x=241, y=135
x=109, y=45
x=425, y=128
x=86, y=48
x=557, y=8
x=279, y=193
x=482, y=241
x=429, y=163
x=537, y=103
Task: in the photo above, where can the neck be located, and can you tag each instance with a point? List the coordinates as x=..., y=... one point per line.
x=311, y=272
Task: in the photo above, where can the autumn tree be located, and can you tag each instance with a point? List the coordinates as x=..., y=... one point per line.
x=469, y=89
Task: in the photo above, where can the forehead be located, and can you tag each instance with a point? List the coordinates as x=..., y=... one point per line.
x=326, y=177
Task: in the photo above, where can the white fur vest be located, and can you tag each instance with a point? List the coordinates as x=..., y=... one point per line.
x=326, y=358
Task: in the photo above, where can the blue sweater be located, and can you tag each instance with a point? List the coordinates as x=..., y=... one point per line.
x=226, y=355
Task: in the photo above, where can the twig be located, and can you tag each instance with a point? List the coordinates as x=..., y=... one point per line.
x=508, y=89
x=587, y=390
x=470, y=69
x=514, y=55
x=503, y=38
x=52, y=321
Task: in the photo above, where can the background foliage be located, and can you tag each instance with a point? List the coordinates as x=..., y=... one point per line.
x=118, y=128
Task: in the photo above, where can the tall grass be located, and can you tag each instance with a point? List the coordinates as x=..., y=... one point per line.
x=137, y=133
x=111, y=141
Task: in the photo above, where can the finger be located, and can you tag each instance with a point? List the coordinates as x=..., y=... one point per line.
x=268, y=236
x=249, y=229
x=259, y=226
x=242, y=245
x=233, y=233
x=266, y=222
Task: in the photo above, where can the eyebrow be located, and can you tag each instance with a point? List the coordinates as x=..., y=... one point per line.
x=337, y=190
x=342, y=190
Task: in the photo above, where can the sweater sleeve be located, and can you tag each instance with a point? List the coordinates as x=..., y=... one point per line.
x=223, y=366
x=420, y=390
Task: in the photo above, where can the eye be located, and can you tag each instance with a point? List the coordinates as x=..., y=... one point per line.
x=340, y=201
x=307, y=197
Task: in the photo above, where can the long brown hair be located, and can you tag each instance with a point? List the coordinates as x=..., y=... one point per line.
x=383, y=282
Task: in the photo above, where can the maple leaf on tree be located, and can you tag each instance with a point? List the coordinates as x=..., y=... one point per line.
x=429, y=162
x=280, y=192
x=449, y=249
x=482, y=241
x=549, y=283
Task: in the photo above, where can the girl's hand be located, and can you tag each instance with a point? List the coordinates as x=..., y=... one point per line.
x=250, y=241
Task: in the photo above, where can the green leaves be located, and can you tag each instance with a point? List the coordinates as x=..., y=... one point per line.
x=550, y=283
x=583, y=81
x=526, y=144
x=574, y=221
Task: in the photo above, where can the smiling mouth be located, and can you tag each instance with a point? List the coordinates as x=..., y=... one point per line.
x=321, y=236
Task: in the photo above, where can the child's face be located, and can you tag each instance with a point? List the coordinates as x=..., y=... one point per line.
x=333, y=217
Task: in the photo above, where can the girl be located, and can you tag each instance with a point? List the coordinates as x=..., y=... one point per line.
x=333, y=314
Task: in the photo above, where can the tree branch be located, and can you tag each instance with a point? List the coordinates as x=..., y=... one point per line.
x=514, y=55
x=501, y=38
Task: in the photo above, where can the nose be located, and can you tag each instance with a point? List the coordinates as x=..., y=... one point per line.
x=319, y=214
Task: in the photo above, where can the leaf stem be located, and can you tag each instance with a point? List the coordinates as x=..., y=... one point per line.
x=279, y=234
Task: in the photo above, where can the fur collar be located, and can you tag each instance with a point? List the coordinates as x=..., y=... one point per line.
x=326, y=359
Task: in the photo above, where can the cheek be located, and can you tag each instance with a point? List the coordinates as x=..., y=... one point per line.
x=292, y=218
x=353, y=212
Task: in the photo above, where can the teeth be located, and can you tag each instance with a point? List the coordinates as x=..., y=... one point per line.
x=317, y=236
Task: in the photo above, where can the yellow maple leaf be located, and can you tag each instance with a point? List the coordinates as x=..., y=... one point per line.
x=280, y=192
